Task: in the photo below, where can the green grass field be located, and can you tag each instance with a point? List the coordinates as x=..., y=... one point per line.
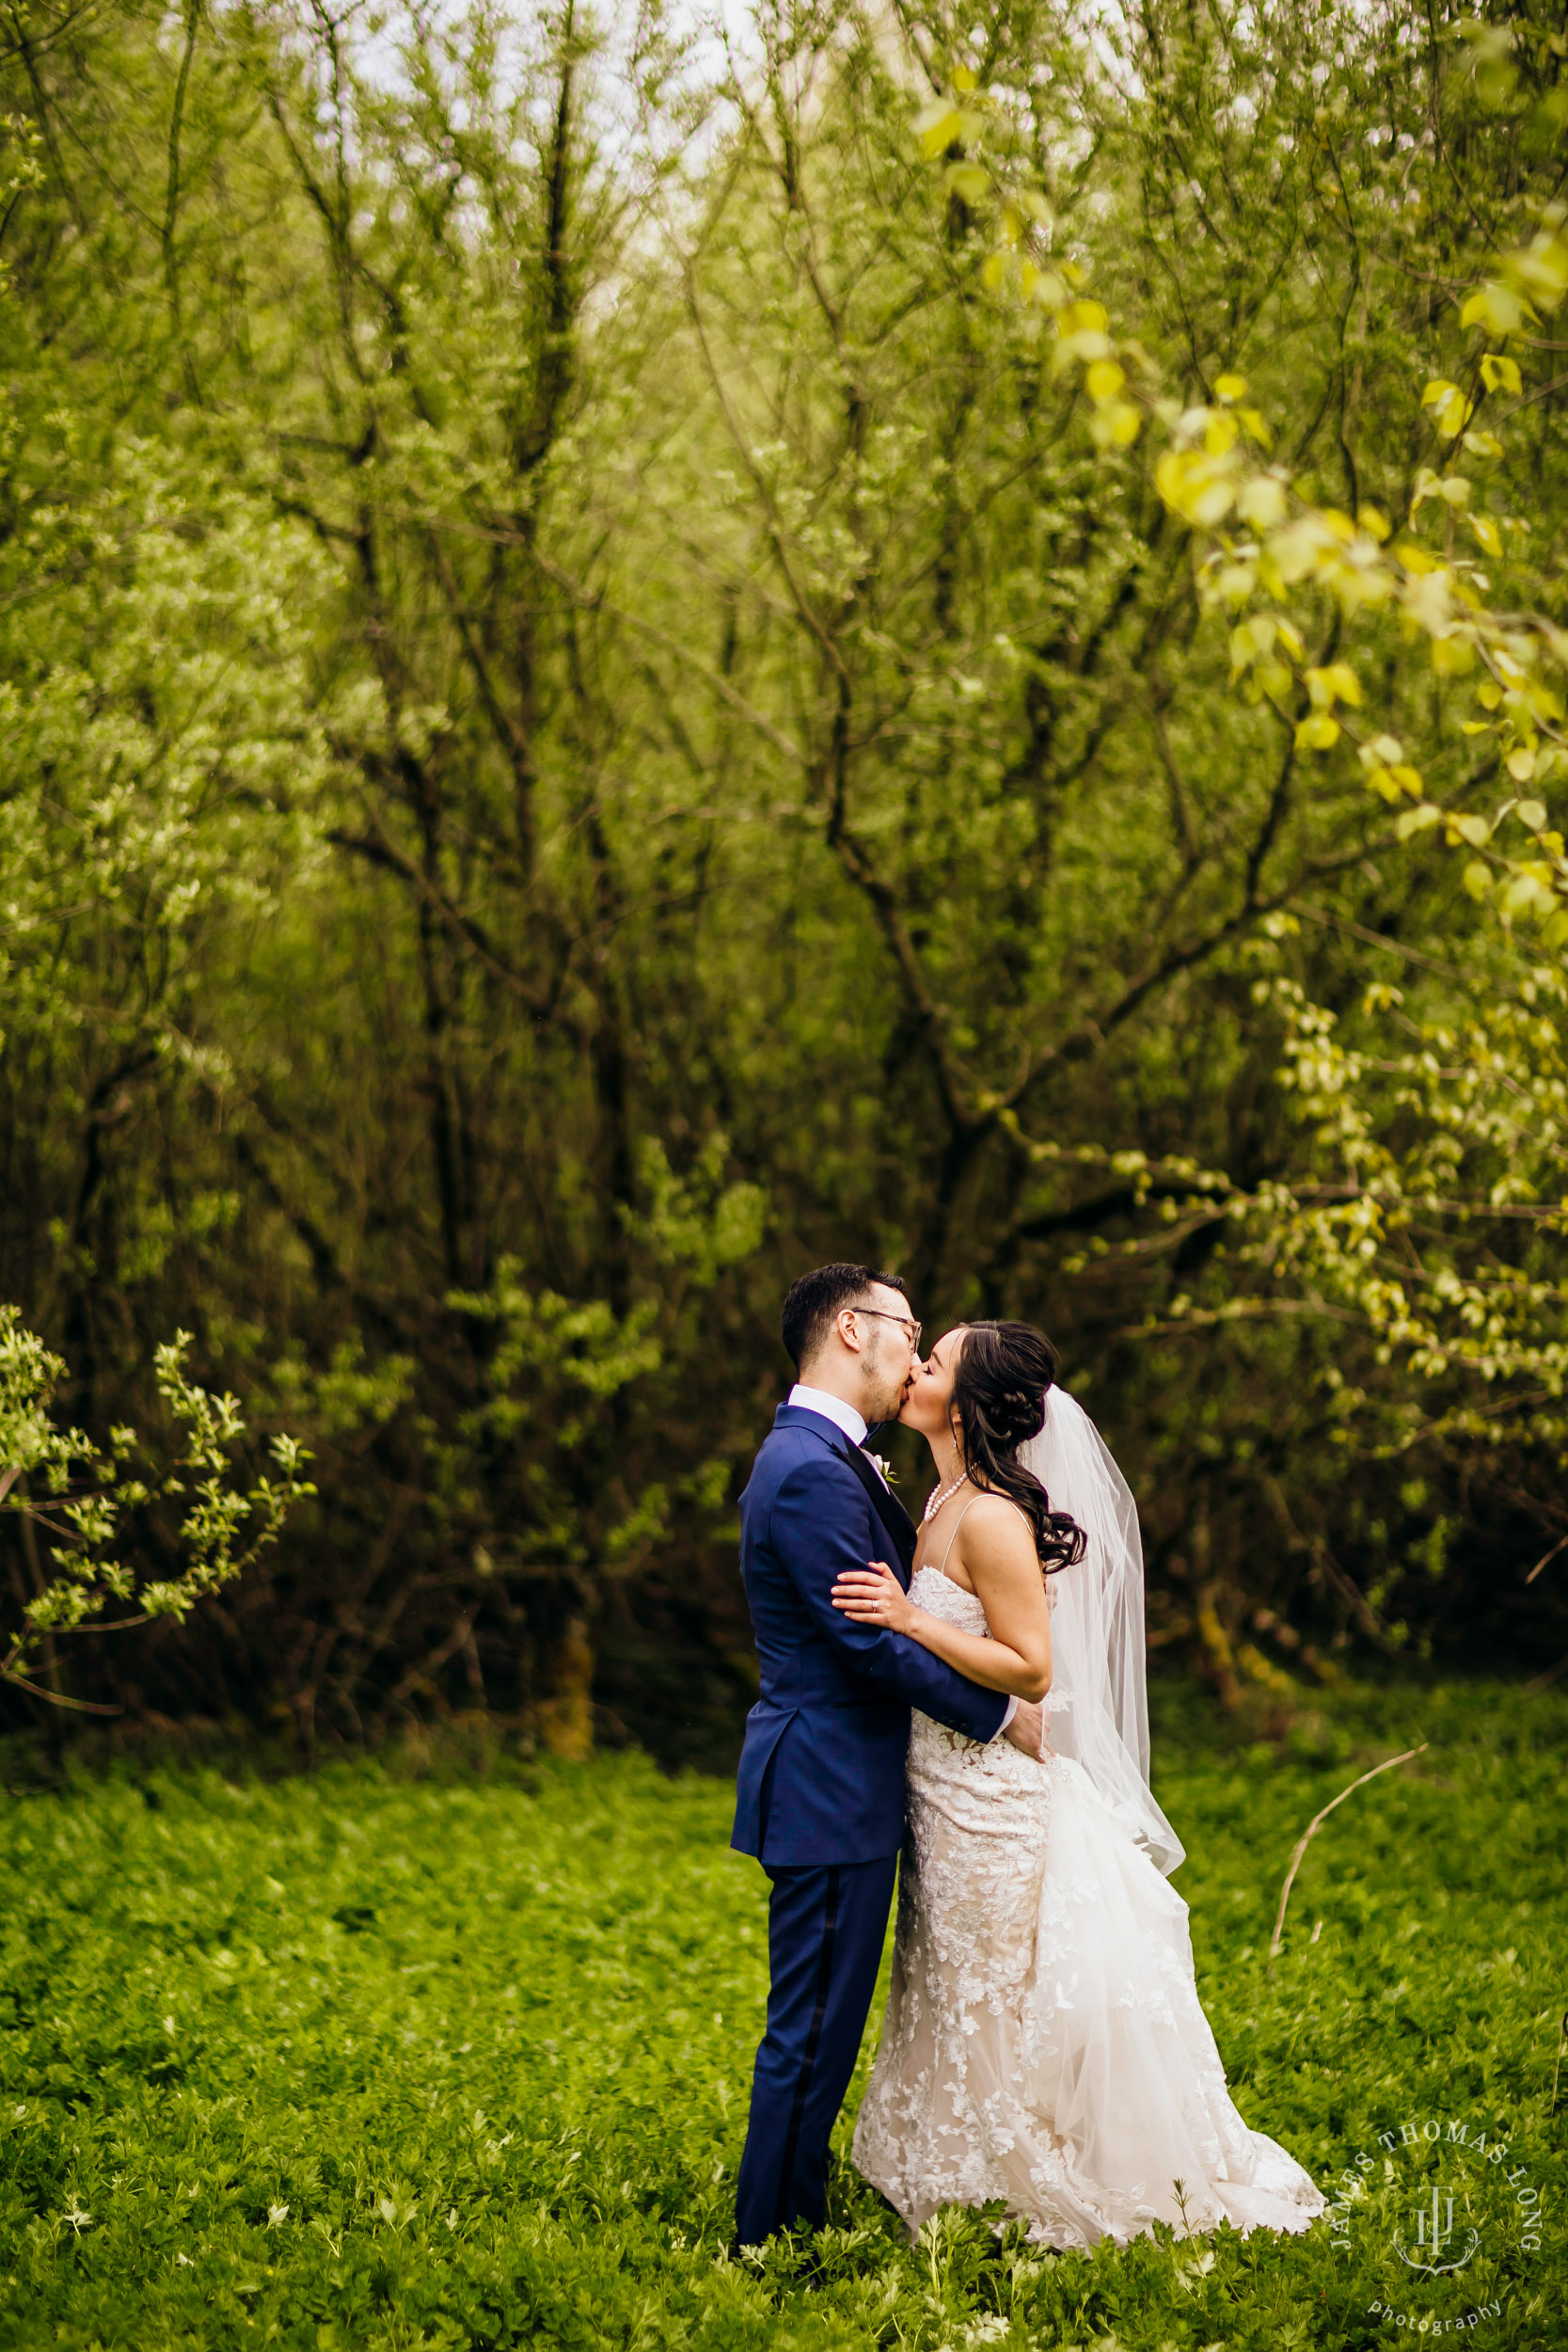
x=385, y=2060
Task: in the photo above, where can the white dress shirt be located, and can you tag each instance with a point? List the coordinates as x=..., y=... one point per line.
x=845, y=1417
x=832, y=1408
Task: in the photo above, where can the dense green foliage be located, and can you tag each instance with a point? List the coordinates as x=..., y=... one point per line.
x=388, y=2057
x=585, y=722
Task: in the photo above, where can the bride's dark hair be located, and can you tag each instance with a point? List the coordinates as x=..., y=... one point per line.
x=999, y=1389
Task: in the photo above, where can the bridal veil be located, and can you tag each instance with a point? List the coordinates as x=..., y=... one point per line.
x=1099, y=1700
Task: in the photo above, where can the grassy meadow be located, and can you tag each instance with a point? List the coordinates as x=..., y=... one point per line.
x=396, y=2056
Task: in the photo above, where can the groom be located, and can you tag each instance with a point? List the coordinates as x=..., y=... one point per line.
x=820, y=1793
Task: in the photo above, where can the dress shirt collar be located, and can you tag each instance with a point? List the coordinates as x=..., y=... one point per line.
x=832, y=1408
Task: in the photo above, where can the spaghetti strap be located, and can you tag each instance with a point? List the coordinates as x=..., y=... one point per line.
x=942, y=1565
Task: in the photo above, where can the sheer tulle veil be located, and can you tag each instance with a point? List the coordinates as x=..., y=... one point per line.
x=1099, y=1700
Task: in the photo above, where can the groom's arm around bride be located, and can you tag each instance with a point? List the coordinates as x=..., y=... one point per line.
x=820, y=1789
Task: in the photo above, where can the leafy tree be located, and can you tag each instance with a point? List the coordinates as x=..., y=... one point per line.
x=616, y=679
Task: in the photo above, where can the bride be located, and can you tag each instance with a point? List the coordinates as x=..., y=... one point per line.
x=1044, y=2043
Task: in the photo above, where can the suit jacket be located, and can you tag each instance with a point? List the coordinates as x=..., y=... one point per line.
x=821, y=1773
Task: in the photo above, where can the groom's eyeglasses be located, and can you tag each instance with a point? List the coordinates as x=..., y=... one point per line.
x=912, y=1329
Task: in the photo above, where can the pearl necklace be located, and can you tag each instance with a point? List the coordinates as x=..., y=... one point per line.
x=934, y=1505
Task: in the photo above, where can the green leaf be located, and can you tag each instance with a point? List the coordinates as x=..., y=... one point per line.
x=1500, y=373
x=967, y=181
x=936, y=127
x=1501, y=309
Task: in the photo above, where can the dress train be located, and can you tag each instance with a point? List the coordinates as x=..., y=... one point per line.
x=1044, y=2043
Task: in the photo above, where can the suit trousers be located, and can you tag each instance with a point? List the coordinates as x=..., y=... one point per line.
x=826, y=1927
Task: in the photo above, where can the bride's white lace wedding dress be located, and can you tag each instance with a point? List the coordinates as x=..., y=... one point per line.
x=1044, y=2041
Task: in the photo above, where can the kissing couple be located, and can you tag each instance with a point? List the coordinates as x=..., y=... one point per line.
x=962, y=1706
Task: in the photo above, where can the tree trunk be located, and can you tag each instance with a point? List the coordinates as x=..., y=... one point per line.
x=566, y=1720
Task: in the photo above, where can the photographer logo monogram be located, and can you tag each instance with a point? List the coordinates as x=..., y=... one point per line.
x=1478, y=2204
x=1435, y=2234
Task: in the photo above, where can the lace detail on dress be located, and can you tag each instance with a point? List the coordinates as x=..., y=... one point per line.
x=1044, y=2043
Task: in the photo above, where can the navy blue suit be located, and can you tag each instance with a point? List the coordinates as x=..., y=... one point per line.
x=819, y=1797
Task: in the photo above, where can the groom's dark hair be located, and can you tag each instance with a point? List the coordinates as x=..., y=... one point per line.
x=815, y=1301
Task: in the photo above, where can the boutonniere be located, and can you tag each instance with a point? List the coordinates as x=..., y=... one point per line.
x=890, y=1476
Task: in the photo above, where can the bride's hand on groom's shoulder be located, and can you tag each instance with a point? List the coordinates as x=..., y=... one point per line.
x=873, y=1596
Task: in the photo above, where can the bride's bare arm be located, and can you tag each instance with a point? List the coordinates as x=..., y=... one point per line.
x=999, y=1554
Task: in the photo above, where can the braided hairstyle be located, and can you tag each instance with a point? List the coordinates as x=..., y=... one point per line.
x=999, y=1390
